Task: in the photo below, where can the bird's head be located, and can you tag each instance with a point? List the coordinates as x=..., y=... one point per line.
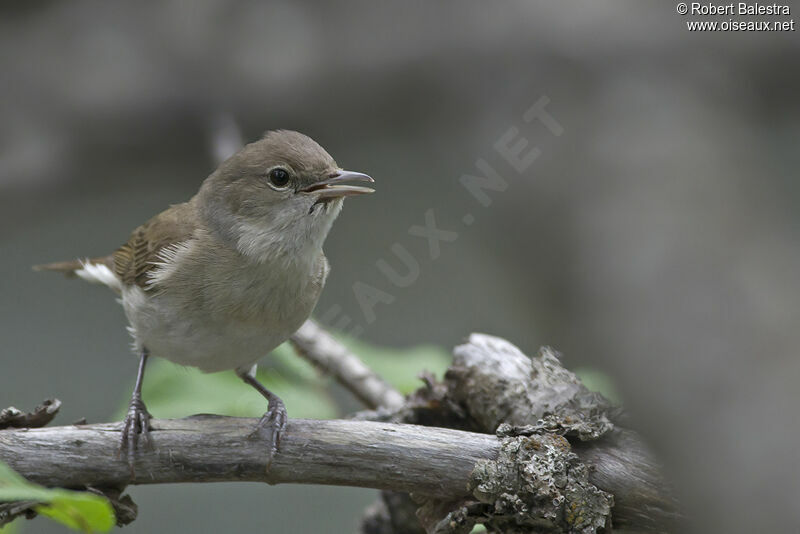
x=277, y=196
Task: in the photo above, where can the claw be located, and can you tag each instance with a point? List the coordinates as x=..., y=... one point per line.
x=270, y=428
x=136, y=426
x=272, y=424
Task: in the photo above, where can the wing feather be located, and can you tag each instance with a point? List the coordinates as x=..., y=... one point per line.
x=143, y=251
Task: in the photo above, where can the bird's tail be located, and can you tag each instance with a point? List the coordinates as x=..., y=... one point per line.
x=97, y=270
x=69, y=268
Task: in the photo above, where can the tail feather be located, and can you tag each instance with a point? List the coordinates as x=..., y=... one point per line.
x=68, y=268
x=96, y=270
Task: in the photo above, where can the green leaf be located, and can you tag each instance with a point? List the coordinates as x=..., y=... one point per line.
x=400, y=367
x=171, y=390
x=599, y=382
x=76, y=509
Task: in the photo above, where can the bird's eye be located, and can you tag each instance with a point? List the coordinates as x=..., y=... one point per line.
x=279, y=177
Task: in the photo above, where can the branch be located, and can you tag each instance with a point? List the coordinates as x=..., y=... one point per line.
x=325, y=352
x=559, y=462
x=206, y=448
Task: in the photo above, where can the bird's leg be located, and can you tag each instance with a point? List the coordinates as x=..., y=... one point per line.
x=137, y=422
x=272, y=423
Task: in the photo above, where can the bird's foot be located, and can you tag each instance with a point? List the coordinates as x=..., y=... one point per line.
x=135, y=427
x=270, y=427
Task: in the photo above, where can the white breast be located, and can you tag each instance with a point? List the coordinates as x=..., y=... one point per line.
x=192, y=337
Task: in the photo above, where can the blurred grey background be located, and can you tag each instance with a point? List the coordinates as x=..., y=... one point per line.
x=656, y=240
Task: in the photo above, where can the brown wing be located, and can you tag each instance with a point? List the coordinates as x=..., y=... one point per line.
x=134, y=259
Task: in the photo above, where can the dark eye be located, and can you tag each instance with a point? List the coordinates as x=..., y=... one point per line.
x=279, y=177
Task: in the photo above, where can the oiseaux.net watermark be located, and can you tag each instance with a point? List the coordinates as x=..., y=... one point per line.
x=736, y=16
x=512, y=155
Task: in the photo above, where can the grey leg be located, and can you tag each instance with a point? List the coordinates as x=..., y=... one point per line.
x=137, y=422
x=272, y=423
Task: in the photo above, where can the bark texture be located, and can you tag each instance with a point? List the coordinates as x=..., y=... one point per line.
x=565, y=463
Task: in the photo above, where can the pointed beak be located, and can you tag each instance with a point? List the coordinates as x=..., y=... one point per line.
x=335, y=186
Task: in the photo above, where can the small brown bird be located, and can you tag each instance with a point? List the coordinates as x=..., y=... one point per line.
x=219, y=281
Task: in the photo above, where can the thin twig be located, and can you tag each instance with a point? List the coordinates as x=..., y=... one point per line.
x=315, y=344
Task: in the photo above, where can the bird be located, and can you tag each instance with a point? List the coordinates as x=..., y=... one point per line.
x=219, y=281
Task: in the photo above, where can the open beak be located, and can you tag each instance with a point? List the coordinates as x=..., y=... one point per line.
x=334, y=186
